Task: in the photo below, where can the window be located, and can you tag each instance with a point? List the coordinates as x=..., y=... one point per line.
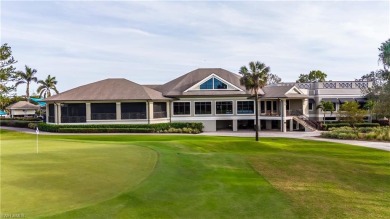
x=334, y=106
x=208, y=85
x=287, y=104
x=159, y=110
x=262, y=107
x=275, y=108
x=224, y=107
x=73, y=113
x=202, y=107
x=51, y=113
x=245, y=107
x=182, y=108
x=310, y=106
x=136, y=110
x=213, y=84
x=103, y=111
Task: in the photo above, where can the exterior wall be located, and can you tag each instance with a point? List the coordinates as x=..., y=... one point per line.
x=22, y=112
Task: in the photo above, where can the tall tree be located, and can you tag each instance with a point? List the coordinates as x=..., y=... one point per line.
x=384, y=54
x=273, y=79
x=6, y=68
x=326, y=106
x=313, y=76
x=369, y=106
x=350, y=112
x=46, y=86
x=26, y=78
x=255, y=79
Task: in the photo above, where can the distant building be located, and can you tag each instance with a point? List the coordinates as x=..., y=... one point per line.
x=212, y=96
x=22, y=109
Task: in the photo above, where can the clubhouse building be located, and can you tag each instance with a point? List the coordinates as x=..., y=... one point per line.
x=213, y=96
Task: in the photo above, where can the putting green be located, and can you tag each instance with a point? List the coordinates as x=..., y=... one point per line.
x=68, y=174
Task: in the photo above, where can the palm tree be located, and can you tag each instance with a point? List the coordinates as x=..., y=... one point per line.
x=26, y=77
x=46, y=86
x=326, y=106
x=255, y=79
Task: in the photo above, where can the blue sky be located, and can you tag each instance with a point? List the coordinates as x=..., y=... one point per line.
x=152, y=42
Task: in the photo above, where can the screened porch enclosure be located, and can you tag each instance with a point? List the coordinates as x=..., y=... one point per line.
x=103, y=111
x=136, y=110
x=72, y=113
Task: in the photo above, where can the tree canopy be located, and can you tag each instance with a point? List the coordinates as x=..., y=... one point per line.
x=26, y=78
x=350, y=112
x=254, y=79
x=6, y=68
x=313, y=76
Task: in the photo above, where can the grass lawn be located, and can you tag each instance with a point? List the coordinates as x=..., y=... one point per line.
x=128, y=176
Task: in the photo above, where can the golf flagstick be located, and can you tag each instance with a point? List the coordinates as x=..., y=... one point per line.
x=37, y=132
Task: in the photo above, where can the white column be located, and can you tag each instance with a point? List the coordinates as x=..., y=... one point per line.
x=168, y=110
x=284, y=106
x=118, y=111
x=150, y=108
x=88, y=111
x=291, y=125
x=235, y=124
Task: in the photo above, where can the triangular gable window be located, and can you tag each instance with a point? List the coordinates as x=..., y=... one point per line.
x=213, y=84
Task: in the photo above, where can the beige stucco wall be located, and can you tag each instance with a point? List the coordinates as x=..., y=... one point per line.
x=20, y=112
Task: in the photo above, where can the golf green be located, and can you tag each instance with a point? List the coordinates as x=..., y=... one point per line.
x=189, y=176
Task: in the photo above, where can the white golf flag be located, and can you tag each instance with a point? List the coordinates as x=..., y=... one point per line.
x=37, y=131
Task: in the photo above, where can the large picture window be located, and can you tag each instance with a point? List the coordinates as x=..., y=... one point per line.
x=224, y=107
x=213, y=84
x=51, y=113
x=245, y=107
x=202, y=108
x=181, y=108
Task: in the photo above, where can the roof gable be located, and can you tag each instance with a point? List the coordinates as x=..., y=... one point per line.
x=283, y=92
x=23, y=105
x=183, y=84
x=213, y=82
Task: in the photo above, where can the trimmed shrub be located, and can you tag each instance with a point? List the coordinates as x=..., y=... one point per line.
x=193, y=128
x=366, y=133
x=367, y=125
x=16, y=123
x=334, y=125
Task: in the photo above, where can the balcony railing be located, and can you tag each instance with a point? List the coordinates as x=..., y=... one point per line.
x=134, y=115
x=160, y=115
x=72, y=119
x=103, y=116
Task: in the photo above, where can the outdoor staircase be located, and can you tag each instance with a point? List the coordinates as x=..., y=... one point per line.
x=309, y=125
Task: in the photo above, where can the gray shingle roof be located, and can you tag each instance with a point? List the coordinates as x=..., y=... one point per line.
x=109, y=89
x=280, y=92
x=177, y=86
x=23, y=105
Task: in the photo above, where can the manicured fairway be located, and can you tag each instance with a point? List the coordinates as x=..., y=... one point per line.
x=191, y=177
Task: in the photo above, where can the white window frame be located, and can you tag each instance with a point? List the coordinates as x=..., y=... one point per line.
x=215, y=107
x=211, y=104
x=254, y=107
x=173, y=108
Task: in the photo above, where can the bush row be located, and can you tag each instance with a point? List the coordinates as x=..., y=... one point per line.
x=358, y=125
x=17, y=123
x=364, y=133
x=131, y=128
x=22, y=119
x=382, y=122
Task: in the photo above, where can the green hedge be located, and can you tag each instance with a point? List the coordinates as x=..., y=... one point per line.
x=22, y=119
x=363, y=133
x=176, y=127
x=16, y=123
x=105, y=130
x=358, y=125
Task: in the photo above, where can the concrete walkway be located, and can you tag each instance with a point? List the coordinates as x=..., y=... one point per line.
x=300, y=135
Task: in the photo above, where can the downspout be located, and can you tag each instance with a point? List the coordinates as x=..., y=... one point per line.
x=282, y=113
x=148, y=111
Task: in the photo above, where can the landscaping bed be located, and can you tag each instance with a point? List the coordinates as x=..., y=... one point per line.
x=362, y=133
